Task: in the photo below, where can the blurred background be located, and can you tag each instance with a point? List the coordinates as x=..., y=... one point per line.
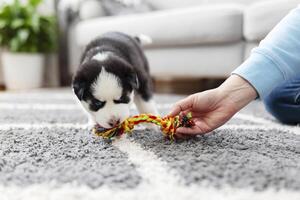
x=196, y=43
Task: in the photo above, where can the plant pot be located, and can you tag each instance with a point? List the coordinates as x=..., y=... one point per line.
x=23, y=70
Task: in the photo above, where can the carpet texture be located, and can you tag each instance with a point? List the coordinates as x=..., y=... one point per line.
x=47, y=152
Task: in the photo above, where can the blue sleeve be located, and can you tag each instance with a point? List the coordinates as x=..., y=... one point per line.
x=276, y=59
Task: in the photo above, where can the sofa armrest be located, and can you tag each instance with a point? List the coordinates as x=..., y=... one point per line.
x=91, y=9
x=69, y=11
x=260, y=18
x=66, y=12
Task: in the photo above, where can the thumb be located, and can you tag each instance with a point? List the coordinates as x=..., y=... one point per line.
x=181, y=105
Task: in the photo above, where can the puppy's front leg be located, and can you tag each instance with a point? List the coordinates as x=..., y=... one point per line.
x=91, y=122
x=145, y=106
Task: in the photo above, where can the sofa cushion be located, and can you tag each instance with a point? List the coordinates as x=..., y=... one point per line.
x=249, y=46
x=91, y=9
x=171, y=4
x=260, y=18
x=195, y=61
x=118, y=7
x=189, y=26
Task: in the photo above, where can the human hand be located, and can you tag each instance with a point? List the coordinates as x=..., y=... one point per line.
x=213, y=108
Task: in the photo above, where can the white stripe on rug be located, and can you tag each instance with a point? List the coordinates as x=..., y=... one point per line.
x=48, y=106
x=153, y=170
x=42, y=125
x=252, y=118
x=9, y=126
x=145, y=191
x=27, y=126
x=39, y=106
x=283, y=128
x=158, y=182
x=268, y=124
x=36, y=96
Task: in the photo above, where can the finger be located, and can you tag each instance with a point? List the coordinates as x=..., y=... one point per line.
x=183, y=136
x=181, y=106
x=195, y=130
x=179, y=136
x=189, y=131
x=185, y=112
x=195, y=115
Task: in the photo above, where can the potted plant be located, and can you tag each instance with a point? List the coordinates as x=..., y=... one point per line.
x=26, y=36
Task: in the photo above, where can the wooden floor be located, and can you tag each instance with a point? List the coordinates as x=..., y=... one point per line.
x=186, y=86
x=180, y=86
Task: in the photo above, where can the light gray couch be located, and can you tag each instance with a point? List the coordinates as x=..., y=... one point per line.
x=191, y=38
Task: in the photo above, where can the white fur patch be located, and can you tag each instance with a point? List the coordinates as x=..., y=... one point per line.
x=107, y=86
x=101, y=56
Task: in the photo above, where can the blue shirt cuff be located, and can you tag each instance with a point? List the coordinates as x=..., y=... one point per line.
x=260, y=71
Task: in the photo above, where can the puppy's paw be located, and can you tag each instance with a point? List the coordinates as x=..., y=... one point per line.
x=91, y=124
x=91, y=127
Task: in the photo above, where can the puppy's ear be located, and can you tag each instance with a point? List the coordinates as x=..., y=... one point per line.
x=136, y=83
x=79, y=90
x=132, y=78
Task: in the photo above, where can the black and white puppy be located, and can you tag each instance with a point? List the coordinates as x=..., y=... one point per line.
x=113, y=72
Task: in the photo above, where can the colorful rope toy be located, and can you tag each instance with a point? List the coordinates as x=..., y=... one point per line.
x=168, y=125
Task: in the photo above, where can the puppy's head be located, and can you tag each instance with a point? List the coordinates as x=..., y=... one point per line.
x=105, y=90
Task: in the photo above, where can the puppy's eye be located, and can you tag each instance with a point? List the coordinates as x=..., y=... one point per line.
x=123, y=99
x=96, y=105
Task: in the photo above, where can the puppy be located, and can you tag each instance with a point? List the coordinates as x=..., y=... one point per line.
x=113, y=73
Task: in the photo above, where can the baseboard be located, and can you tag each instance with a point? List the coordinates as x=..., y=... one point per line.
x=186, y=85
x=2, y=87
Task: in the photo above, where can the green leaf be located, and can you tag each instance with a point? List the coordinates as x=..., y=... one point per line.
x=35, y=3
x=35, y=22
x=33, y=49
x=23, y=35
x=23, y=29
x=16, y=23
x=2, y=23
x=16, y=3
x=5, y=12
x=15, y=8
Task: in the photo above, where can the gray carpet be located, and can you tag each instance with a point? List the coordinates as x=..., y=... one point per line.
x=44, y=146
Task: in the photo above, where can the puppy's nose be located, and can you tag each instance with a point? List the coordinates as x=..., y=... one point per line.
x=114, y=122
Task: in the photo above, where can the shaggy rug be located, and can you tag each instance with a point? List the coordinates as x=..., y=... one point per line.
x=47, y=152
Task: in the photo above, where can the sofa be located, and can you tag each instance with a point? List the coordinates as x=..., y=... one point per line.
x=191, y=38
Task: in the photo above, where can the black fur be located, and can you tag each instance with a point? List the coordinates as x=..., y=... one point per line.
x=127, y=61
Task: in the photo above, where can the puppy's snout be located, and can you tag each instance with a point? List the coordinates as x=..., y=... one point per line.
x=114, y=122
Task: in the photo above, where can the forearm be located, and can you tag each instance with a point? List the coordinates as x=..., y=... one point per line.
x=277, y=58
x=237, y=91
